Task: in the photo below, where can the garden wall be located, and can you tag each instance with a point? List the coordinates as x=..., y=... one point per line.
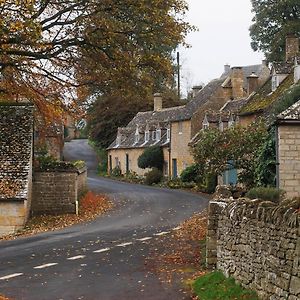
x=258, y=244
x=57, y=192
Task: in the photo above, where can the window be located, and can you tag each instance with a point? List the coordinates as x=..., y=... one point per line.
x=168, y=134
x=180, y=127
x=158, y=135
x=154, y=135
x=137, y=135
x=221, y=126
x=274, y=83
x=205, y=123
x=117, y=162
x=231, y=122
x=147, y=136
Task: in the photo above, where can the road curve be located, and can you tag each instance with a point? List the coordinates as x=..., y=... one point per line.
x=103, y=259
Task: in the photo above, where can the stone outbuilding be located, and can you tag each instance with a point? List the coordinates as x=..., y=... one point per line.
x=16, y=148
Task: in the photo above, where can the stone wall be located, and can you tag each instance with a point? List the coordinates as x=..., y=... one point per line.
x=16, y=142
x=289, y=159
x=258, y=244
x=57, y=192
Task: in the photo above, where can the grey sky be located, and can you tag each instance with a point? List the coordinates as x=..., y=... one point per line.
x=223, y=37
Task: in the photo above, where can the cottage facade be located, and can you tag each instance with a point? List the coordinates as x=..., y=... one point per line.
x=179, y=125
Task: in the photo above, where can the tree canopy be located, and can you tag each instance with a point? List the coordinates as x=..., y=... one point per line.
x=53, y=52
x=273, y=21
x=152, y=157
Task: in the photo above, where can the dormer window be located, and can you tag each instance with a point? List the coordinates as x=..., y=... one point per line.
x=230, y=121
x=205, y=123
x=158, y=134
x=168, y=134
x=147, y=136
x=154, y=135
x=275, y=82
x=221, y=126
x=136, y=135
x=180, y=127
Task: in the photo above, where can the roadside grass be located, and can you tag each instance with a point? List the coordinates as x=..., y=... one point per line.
x=90, y=207
x=216, y=286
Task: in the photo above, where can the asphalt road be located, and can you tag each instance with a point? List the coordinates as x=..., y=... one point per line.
x=103, y=259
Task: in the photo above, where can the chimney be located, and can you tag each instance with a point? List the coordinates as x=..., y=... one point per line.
x=291, y=47
x=237, y=82
x=196, y=89
x=252, y=83
x=226, y=68
x=157, y=102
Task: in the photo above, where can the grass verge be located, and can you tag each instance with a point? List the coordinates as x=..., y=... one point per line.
x=216, y=286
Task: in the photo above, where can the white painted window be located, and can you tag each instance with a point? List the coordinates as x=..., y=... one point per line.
x=158, y=134
x=137, y=135
x=154, y=135
x=147, y=136
x=275, y=83
x=205, y=123
x=221, y=126
x=231, y=122
x=168, y=134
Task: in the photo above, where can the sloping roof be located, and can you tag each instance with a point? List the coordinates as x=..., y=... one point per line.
x=291, y=114
x=264, y=98
x=285, y=67
x=234, y=106
x=16, y=138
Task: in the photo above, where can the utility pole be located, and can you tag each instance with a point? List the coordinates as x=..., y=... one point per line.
x=178, y=74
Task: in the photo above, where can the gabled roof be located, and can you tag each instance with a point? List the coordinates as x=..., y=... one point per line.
x=291, y=114
x=263, y=99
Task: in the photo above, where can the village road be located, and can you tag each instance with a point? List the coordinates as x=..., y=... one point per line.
x=103, y=259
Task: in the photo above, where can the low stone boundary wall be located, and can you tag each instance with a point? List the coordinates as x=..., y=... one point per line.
x=258, y=244
x=57, y=192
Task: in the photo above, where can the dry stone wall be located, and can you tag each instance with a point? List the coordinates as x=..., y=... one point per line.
x=257, y=243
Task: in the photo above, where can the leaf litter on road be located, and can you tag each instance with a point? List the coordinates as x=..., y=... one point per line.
x=91, y=206
x=179, y=257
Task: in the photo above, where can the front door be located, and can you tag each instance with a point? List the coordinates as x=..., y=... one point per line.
x=127, y=164
x=174, y=164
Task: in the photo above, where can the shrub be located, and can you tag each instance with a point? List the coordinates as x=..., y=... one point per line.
x=152, y=157
x=190, y=174
x=116, y=172
x=154, y=176
x=209, y=184
x=266, y=193
x=49, y=163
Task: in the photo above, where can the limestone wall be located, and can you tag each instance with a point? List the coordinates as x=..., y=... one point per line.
x=57, y=192
x=257, y=243
x=289, y=159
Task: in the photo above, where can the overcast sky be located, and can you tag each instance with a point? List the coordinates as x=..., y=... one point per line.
x=222, y=37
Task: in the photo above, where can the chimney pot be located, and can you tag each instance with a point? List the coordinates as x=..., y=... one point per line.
x=252, y=83
x=157, y=102
x=226, y=68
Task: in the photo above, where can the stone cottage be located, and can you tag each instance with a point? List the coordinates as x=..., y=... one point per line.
x=288, y=154
x=16, y=146
x=173, y=128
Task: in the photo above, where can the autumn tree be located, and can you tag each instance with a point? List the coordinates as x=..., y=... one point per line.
x=52, y=51
x=273, y=21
